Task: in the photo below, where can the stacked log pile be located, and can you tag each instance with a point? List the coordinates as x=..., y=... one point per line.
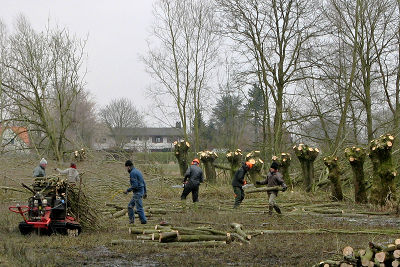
x=356, y=157
x=331, y=163
x=306, y=156
x=208, y=158
x=283, y=161
x=181, y=149
x=380, y=153
x=374, y=255
x=234, y=158
x=255, y=172
x=204, y=236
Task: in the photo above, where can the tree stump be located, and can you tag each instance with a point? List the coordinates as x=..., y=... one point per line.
x=331, y=163
x=356, y=157
x=380, y=153
x=181, y=150
x=255, y=172
x=283, y=161
x=234, y=158
x=208, y=158
x=306, y=156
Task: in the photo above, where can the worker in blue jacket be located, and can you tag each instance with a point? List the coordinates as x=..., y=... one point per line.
x=138, y=187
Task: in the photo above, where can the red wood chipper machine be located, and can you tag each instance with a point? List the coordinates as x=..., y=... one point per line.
x=47, y=210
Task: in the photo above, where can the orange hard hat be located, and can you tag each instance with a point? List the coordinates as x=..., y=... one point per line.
x=249, y=164
x=196, y=161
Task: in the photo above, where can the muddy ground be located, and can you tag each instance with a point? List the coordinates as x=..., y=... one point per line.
x=103, y=181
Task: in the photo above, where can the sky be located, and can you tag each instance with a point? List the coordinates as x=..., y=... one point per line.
x=116, y=32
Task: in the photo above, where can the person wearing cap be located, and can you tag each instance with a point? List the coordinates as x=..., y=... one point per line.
x=239, y=181
x=40, y=171
x=71, y=172
x=192, y=180
x=138, y=187
x=274, y=178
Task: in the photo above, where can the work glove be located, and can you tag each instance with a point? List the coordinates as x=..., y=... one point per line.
x=258, y=183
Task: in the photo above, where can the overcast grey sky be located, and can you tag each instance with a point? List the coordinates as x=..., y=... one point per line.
x=116, y=30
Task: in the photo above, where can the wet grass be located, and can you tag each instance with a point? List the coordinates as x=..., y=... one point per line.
x=104, y=180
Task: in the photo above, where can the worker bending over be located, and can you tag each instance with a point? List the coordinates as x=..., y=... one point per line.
x=40, y=171
x=192, y=180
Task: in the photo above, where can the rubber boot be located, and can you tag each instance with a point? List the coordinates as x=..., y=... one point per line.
x=277, y=209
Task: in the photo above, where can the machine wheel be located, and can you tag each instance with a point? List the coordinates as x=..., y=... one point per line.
x=25, y=228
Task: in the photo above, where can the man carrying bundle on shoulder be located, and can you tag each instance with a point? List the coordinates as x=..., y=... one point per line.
x=238, y=182
x=274, y=178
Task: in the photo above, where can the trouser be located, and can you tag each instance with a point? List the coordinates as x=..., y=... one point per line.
x=271, y=201
x=239, y=195
x=136, y=201
x=194, y=189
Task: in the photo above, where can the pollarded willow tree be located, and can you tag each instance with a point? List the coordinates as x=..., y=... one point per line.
x=271, y=38
x=42, y=77
x=181, y=149
x=258, y=163
x=356, y=157
x=383, y=187
x=283, y=161
x=182, y=55
x=331, y=163
x=208, y=158
x=306, y=156
x=234, y=158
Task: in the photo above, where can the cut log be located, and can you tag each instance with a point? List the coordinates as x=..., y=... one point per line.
x=120, y=213
x=168, y=237
x=237, y=237
x=348, y=252
x=367, y=257
x=396, y=254
x=264, y=189
x=395, y=263
x=196, y=238
x=144, y=237
x=238, y=229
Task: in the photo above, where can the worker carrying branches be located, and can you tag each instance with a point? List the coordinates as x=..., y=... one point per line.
x=192, y=180
x=72, y=174
x=274, y=178
x=239, y=181
x=40, y=171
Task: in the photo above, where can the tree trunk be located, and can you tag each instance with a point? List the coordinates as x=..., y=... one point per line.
x=234, y=159
x=334, y=176
x=208, y=158
x=255, y=172
x=306, y=156
x=283, y=161
x=181, y=150
x=380, y=153
x=356, y=157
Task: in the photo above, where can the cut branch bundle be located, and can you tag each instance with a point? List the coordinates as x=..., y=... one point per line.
x=380, y=153
x=356, y=157
x=181, y=150
x=306, y=156
x=255, y=172
x=234, y=158
x=331, y=163
x=208, y=158
x=374, y=255
x=283, y=161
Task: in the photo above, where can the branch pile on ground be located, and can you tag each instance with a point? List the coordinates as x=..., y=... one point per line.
x=255, y=172
x=283, y=161
x=175, y=234
x=374, y=255
x=306, y=156
x=181, y=153
x=380, y=153
x=331, y=163
x=234, y=158
x=356, y=157
x=208, y=158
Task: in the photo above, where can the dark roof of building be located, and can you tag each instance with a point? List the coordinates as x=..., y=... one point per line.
x=152, y=132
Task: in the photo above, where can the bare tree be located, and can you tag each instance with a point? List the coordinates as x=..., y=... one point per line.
x=182, y=56
x=43, y=78
x=119, y=115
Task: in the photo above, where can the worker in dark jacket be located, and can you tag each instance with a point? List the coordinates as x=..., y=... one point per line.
x=274, y=178
x=192, y=180
x=138, y=187
x=239, y=181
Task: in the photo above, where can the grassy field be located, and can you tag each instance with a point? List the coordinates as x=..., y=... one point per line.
x=103, y=181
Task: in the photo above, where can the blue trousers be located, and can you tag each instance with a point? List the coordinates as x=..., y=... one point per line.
x=136, y=201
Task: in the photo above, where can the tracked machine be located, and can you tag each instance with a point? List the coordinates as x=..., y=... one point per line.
x=47, y=211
